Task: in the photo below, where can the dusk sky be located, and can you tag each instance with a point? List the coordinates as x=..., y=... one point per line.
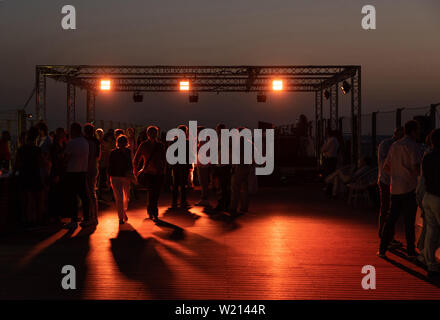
x=400, y=60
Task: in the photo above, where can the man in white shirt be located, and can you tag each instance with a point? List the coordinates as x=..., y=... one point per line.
x=77, y=153
x=402, y=164
x=383, y=179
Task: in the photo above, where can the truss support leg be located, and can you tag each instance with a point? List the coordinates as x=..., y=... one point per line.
x=318, y=125
x=91, y=99
x=334, y=104
x=356, y=111
x=71, y=114
x=40, y=94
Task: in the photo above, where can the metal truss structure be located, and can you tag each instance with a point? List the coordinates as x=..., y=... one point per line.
x=317, y=79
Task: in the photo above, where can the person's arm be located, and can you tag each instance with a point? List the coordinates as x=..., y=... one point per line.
x=137, y=157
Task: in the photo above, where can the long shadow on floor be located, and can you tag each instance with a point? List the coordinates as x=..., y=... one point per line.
x=409, y=270
x=182, y=216
x=225, y=222
x=204, y=254
x=41, y=277
x=138, y=259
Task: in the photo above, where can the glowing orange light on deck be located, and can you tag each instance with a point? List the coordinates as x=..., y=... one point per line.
x=106, y=85
x=184, y=85
x=277, y=85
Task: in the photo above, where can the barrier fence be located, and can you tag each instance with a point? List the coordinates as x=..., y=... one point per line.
x=380, y=125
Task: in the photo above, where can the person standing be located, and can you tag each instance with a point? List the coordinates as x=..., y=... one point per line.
x=92, y=171
x=383, y=179
x=107, y=145
x=240, y=180
x=130, y=133
x=203, y=173
x=28, y=164
x=223, y=176
x=431, y=204
x=57, y=185
x=179, y=174
x=151, y=174
x=77, y=154
x=120, y=171
x=403, y=166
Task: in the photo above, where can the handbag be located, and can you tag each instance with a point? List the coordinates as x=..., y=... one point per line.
x=147, y=179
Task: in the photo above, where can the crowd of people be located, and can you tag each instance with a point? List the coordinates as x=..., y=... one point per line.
x=408, y=179
x=54, y=170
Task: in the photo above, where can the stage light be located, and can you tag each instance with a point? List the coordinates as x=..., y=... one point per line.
x=346, y=87
x=184, y=85
x=105, y=85
x=193, y=98
x=327, y=94
x=138, y=97
x=277, y=85
x=261, y=97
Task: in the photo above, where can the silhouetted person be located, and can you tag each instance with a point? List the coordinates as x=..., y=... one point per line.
x=152, y=155
x=240, y=181
x=57, y=174
x=203, y=173
x=77, y=153
x=44, y=141
x=121, y=173
x=431, y=204
x=28, y=164
x=93, y=169
x=403, y=166
x=179, y=175
x=384, y=179
x=222, y=173
x=107, y=145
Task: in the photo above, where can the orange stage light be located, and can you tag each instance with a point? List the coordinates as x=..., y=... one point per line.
x=277, y=85
x=184, y=85
x=105, y=85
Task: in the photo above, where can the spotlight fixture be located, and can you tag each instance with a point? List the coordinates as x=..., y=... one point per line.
x=193, y=98
x=277, y=85
x=105, y=85
x=261, y=97
x=184, y=85
x=327, y=94
x=346, y=87
x=138, y=97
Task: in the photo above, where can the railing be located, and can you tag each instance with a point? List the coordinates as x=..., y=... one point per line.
x=380, y=125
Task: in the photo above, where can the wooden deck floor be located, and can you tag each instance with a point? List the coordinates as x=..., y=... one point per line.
x=293, y=244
